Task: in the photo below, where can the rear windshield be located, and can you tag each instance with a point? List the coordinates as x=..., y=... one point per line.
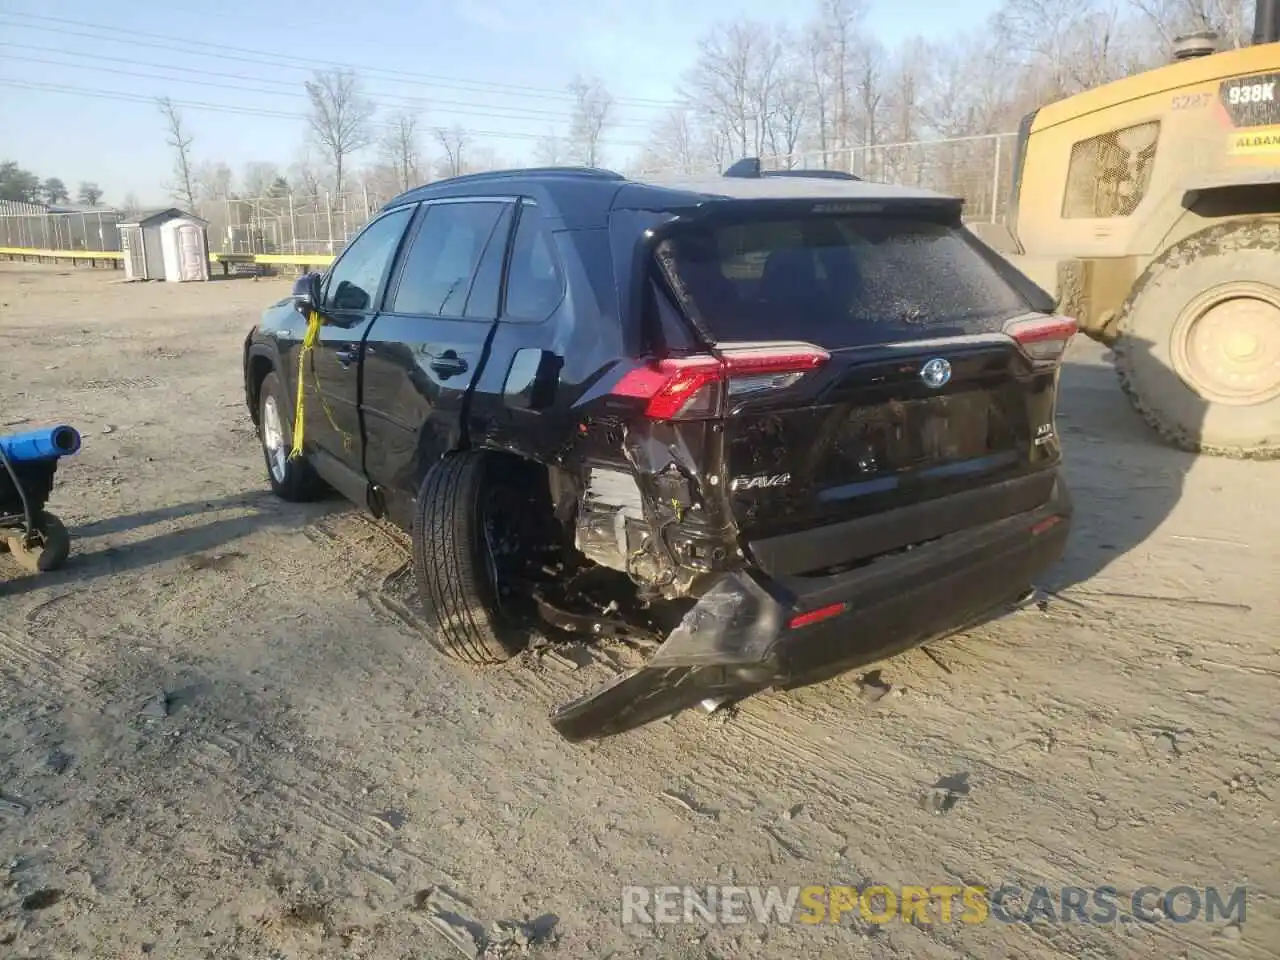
x=836, y=281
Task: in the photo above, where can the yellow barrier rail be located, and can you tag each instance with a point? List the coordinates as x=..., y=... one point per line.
x=226, y=259
x=62, y=254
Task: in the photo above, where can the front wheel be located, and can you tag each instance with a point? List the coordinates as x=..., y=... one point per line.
x=1199, y=347
x=291, y=479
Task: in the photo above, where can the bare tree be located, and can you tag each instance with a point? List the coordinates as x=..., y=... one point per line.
x=214, y=181
x=1044, y=35
x=453, y=141
x=550, y=151
x=483, y=158
x=131, y=207
x=789, y=113
x=305, y=179
x=592, y=110
x=380, y=180
x=401, y=149
x=179, y=140
x=341, y=117
x=834, y=43
x=836, y=90
x=1230, y=19
x=258, y=178
x=732, y=83
x=675, y=145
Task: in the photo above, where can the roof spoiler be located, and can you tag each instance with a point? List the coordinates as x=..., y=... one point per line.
x=749, y=168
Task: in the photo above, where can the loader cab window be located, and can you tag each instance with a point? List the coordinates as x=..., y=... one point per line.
x=1110, y=173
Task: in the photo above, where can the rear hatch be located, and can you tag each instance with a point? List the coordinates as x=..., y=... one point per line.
x=869, y=363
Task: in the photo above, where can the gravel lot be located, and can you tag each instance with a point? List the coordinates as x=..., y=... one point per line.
x=222, y=736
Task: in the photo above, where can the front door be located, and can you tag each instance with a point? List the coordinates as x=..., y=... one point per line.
x=349, y=301
x=425, y=351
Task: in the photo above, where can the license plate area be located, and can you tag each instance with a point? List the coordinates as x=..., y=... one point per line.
x=905, y=435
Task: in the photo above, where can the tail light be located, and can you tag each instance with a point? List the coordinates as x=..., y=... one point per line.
x=690, y=387
x=1043, y=339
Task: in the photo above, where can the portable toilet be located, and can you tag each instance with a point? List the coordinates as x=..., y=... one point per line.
x=185, y=241
x=142, y=243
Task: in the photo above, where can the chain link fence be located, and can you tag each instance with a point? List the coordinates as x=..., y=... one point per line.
x=292, y=224
x=34, y=226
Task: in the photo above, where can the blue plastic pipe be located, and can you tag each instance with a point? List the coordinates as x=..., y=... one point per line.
x=47, y=443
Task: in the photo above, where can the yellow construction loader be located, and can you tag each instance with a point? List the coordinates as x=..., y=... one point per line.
x=1151, y=208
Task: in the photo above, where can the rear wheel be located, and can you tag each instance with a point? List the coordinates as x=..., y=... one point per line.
x=476, y=513
x=1199, y=342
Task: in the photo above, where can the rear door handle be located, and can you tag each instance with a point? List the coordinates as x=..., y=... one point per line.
x=347, y=356
x=448, y=364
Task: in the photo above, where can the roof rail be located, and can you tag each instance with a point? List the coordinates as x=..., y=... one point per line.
x=749, y=168
x=594, y=173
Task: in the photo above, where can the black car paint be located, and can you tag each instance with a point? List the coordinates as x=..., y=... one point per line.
x=414, y=389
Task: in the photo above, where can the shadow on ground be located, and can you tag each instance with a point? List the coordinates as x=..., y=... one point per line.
x=1124, y=478
x=188, y=541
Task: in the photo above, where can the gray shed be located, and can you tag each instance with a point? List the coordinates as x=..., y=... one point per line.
x=142, y=242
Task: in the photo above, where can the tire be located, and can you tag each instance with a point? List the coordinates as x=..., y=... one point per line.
x=456, y=580
x=294, y=479
x=1199, y=298
x=49, y=555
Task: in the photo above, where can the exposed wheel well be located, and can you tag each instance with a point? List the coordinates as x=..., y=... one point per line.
x=259, y=367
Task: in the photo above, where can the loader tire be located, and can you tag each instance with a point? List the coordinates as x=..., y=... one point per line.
x=1198, y=351
x=457, y=573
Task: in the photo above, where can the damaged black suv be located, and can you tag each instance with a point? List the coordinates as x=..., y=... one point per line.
x=772, y=426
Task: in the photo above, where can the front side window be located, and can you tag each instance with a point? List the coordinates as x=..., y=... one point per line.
x=442, y=261
x=355, y=279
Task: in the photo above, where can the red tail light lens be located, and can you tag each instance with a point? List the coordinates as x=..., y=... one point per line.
x=1043, y=339
x=688, y=387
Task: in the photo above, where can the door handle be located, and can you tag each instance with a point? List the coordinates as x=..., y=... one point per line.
x=347, y=356
x=448, y=364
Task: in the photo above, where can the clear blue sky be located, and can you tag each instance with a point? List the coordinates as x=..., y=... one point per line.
x=498, y=66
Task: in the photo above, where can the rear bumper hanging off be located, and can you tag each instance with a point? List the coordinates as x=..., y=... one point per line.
x=749, y=633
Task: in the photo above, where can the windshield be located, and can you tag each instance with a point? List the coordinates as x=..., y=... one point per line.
x=836, y=281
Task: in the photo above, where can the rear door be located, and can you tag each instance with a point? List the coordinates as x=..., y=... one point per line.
x=915, y=391
x=349, y=300
x=422, y=356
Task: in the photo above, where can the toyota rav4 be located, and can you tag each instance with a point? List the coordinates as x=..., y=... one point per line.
x=767, y=428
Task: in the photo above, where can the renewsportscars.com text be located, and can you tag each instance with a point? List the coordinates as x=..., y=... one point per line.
x=939, y=903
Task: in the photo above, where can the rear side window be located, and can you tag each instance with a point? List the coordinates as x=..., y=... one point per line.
x=534, y=280
x=836, y=281
x=443, y=258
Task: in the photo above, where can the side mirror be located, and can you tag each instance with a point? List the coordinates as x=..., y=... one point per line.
x=306, y=292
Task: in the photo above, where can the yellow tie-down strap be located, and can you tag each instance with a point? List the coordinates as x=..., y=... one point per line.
x=299, y=408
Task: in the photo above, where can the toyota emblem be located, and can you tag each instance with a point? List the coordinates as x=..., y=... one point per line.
x=936, y=373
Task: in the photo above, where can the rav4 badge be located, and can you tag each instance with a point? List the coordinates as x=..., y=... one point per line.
x=762, y=482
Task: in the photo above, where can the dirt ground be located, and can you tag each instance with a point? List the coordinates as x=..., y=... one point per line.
x=222, y=736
